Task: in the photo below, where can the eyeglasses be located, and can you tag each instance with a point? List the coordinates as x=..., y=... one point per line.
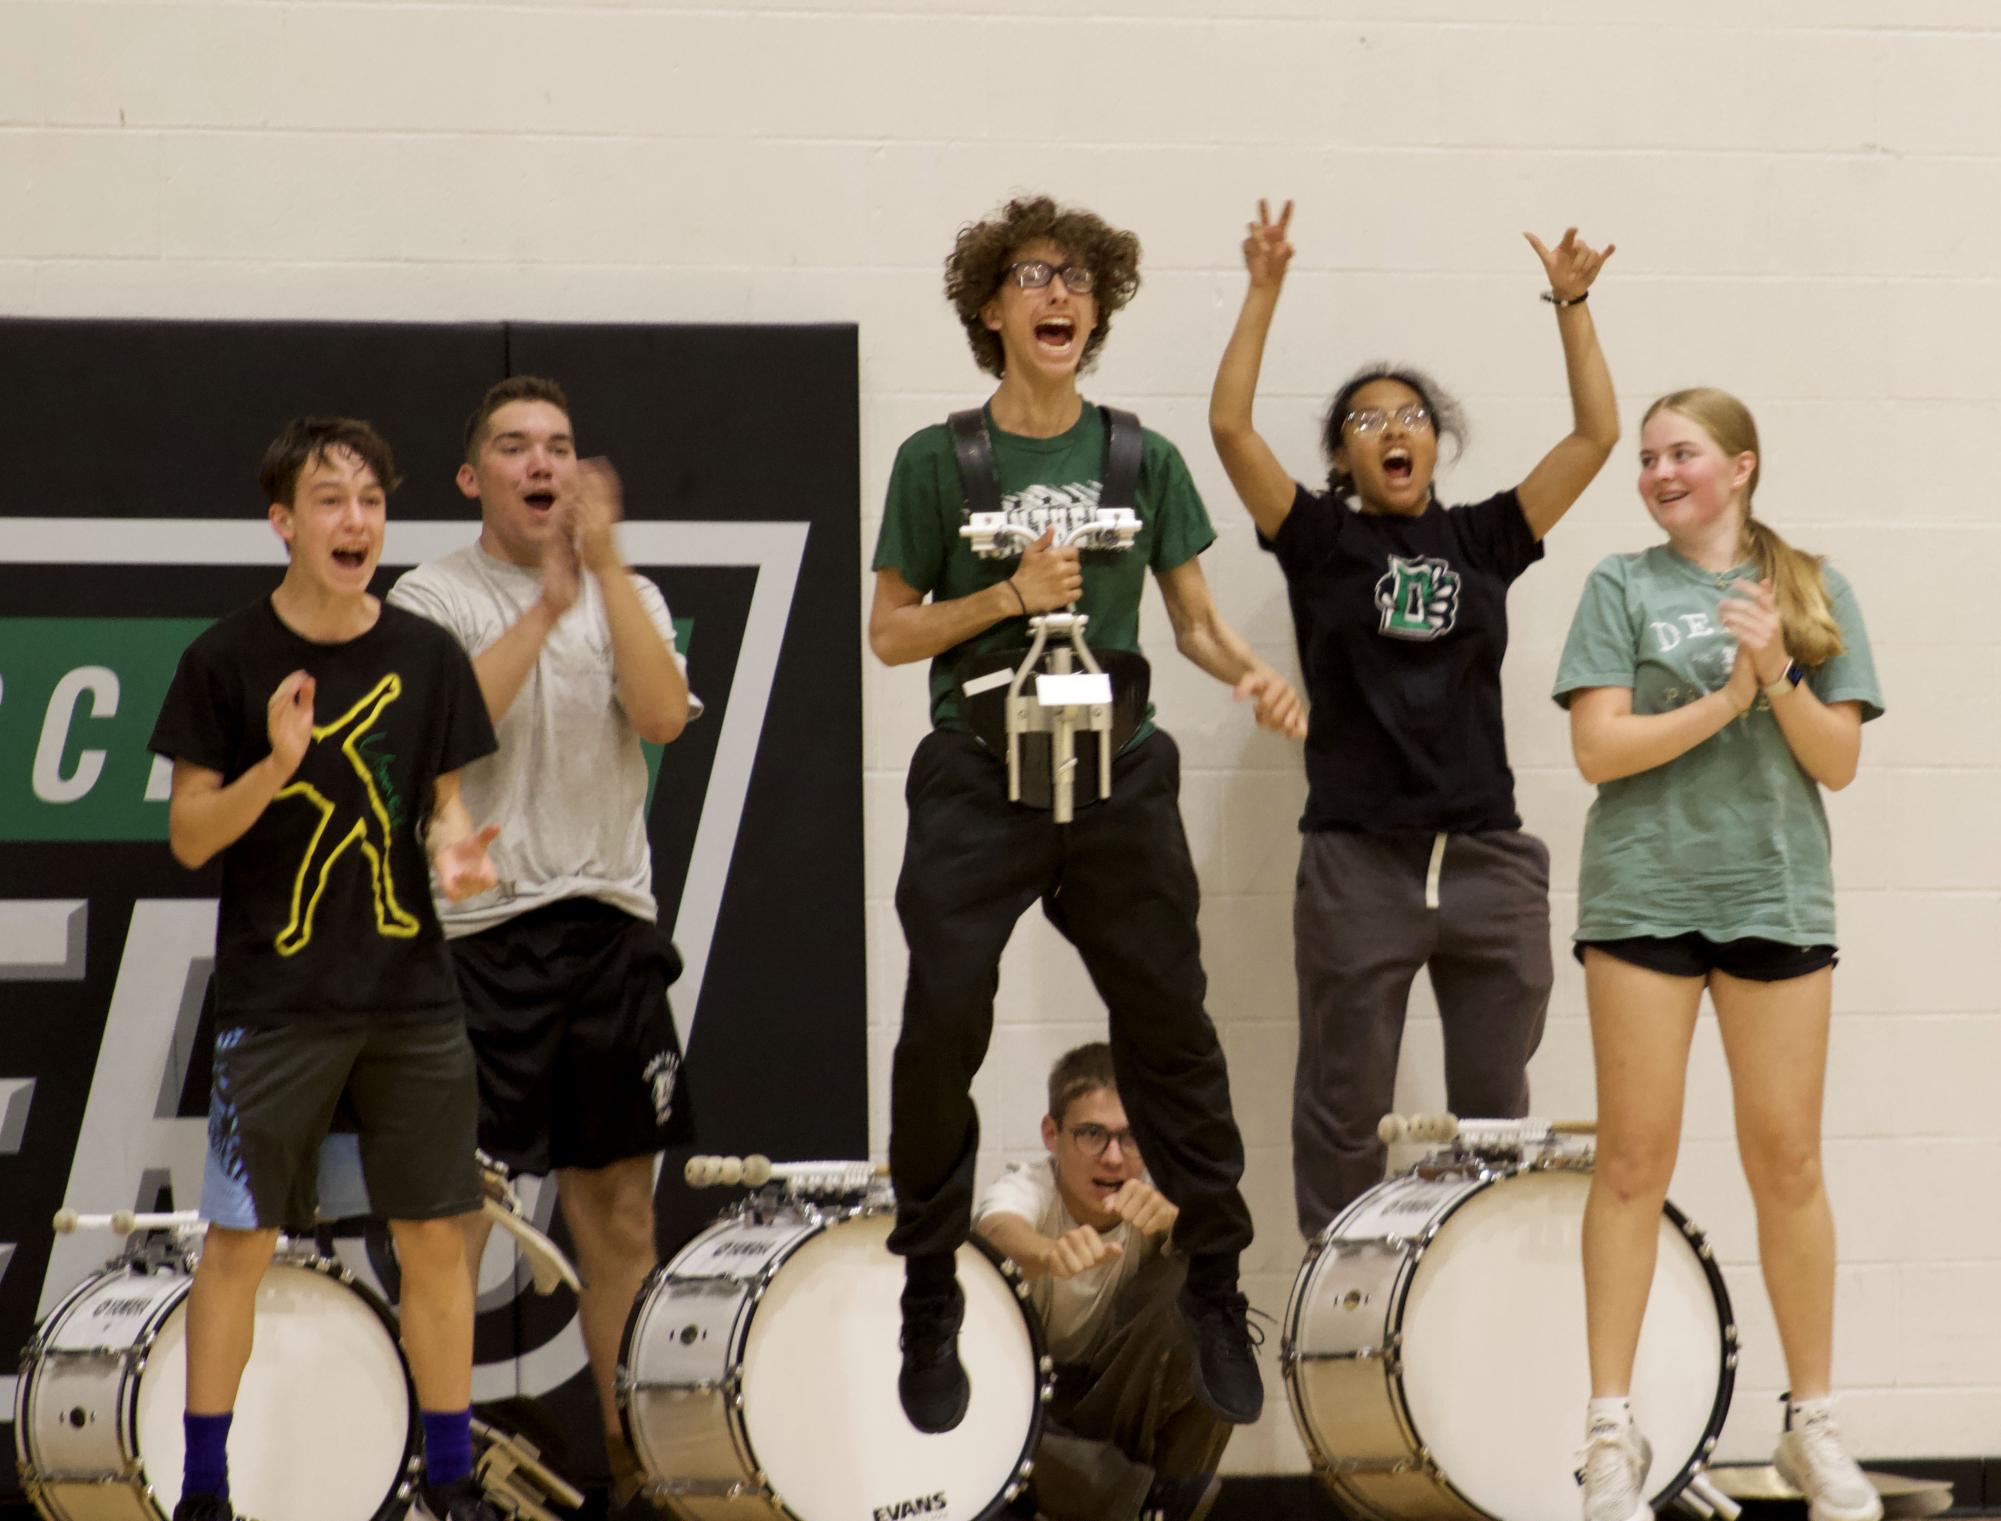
x=1033, y=274
x=1413, y=418
x=1093, y=1139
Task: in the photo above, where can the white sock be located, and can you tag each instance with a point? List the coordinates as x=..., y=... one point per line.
x=1616, y=1410
x=1807, y=1410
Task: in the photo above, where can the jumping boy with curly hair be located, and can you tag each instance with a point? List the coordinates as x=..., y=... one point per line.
x=1036, y=286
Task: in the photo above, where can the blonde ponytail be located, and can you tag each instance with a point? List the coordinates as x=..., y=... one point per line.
x=1812, y=636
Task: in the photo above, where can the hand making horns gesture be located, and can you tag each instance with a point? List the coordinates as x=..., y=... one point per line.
x=1571, y=265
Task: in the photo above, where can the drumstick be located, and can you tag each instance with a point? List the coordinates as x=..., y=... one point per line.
x=509, y=1453
x=124, y=1222
x=755, y=1170
x=546, y=1263
x=1449, y=1127
x=1706, y=1498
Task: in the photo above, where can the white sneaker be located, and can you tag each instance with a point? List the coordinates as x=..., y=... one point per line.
x=1612, y=1466
x=1812, y=1460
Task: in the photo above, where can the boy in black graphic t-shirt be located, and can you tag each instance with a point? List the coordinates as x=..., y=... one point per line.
x=316, y=739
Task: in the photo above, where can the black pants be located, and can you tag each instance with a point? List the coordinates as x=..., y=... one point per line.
x=1119, y=884
x=1129, y=1413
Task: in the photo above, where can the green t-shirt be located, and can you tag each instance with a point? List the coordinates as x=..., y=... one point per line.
x=1729, y=839
x=926, y=507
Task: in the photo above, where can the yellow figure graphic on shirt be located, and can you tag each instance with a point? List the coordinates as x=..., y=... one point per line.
x=368, y=827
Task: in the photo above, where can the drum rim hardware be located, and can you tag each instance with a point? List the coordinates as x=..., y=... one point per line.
x=167, y=1251
x=1481, y=1171
x=770, y=1206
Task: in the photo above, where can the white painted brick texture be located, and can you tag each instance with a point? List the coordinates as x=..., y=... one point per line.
x=1805, y=204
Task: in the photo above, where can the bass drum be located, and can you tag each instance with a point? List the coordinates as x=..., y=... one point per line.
x=757, y=1378
x=326, y=1425
x=1434, y=1349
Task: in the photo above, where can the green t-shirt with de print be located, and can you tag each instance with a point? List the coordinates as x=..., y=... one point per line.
x=1728, y=840
x=926, y=507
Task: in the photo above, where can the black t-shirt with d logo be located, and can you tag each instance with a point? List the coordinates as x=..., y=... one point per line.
x=1402, y=624
x=326, y=899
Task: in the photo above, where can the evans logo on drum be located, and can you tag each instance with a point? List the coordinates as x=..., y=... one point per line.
x=902, y=1510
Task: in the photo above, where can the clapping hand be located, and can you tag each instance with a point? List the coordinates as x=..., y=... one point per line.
x=465, y=869
x=288, y=721
x=1751, y=616
x=594, y=505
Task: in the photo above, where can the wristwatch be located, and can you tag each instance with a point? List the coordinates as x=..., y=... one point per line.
x=1785, y=681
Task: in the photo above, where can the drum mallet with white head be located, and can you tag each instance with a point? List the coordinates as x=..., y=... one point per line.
x=125, y=1222
x=756, y=1170
x=1438, y=1129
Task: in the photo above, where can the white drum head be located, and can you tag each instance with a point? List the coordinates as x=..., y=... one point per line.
x=819, y=1386
x=1494, y=1361
x=322, y=1424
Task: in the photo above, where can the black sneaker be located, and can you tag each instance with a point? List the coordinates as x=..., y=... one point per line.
x=203, y=1508
x=463, y=1500
x=637, y=1506
x=1225, y=1363
x=932, y=1383
x=1181, y=1499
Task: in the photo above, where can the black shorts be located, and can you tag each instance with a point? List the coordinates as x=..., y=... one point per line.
x=406, y=1087
x=579, y=1064
x=1694, y=955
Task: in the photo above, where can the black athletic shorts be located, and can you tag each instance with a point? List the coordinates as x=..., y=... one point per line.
x=579, y=1064
x=405, y=1086
x=1694, y=955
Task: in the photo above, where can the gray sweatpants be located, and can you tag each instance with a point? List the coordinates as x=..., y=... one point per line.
x=1368, y=911
x=1129, y=1413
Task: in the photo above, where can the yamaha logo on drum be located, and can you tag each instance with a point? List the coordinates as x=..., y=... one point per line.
x=901, y=1510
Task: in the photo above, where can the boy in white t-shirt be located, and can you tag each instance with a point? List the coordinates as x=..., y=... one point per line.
x=1126, y=1436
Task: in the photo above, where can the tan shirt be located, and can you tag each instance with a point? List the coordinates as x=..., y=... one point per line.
x=1077, y=1311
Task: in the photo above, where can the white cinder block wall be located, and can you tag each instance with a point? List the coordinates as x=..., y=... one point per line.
x=1807, y=199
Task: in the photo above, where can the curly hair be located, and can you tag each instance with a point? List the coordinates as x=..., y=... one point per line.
x=1448, y=421
x=981, y=253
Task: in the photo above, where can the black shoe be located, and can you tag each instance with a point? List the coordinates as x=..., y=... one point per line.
x=203, y=1508
x=1225, y=1363
x=637, y=1506
x=932, y=1383
x=1181, y=1499
x=463, y=1500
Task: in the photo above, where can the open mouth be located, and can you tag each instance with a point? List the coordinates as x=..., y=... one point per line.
x=1668, y=498
x=1108, y=1186
x=1055, y=332
x=539, y=501
x=1397, y=466
x=351, y=558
